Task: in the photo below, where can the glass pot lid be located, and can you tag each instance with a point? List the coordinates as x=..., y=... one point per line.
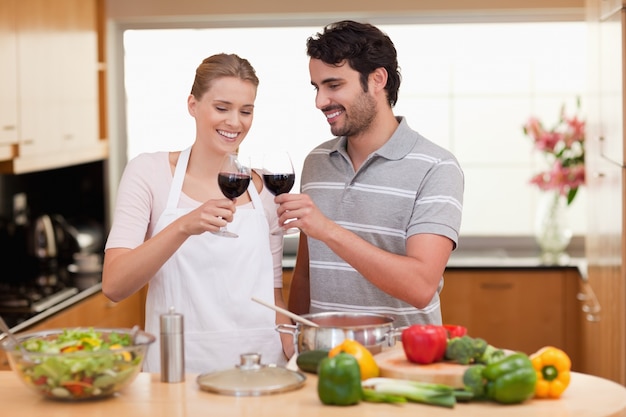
x=251, y=378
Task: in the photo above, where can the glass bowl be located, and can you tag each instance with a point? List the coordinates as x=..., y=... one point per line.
x=78, y=363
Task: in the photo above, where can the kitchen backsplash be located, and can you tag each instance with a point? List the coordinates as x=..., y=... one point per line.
x=75, y=192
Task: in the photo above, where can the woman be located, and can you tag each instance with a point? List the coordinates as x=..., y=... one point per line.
x=167, y=205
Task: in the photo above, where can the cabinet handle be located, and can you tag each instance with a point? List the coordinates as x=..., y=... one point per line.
x=8, y=128
x=591, y=305
x=496, y=286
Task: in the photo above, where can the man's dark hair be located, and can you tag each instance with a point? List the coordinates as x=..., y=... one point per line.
x=363, y=46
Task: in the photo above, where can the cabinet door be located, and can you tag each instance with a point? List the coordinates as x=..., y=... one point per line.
x=99, y=311
x=605, y=337
x=604, y=333
x=80, y=71
x=8, y=78
x=515, y=309
x=611, y=55
x=39, y=76
x=58, y=78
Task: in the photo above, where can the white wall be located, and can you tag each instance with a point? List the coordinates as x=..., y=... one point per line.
x=468, y=87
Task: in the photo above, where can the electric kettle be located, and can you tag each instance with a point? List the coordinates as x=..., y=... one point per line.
x=51, y=238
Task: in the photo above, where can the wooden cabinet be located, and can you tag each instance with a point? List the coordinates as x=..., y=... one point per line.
x=518, y=309
x=8, y=77
x=95, y=311
x=56, y=74
x=610, y=86
x=604, y=337
x=609, y=7
x=99, y=311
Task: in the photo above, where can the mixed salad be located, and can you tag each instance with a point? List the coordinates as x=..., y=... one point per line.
x=78, y=363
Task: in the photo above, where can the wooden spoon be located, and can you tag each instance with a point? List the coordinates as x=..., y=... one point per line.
x=286, y=313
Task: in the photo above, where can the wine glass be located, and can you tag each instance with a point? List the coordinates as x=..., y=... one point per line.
x=233, y=179
x=279, y=177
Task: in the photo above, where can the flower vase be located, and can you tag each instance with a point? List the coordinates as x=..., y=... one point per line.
x=552, y=230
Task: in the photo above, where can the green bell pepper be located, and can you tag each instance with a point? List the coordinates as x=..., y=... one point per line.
x=510, y=380
x=339, y=380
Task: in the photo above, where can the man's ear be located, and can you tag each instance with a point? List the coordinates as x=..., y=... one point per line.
x=379, y=78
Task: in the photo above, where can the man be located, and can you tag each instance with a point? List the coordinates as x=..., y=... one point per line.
x=380, y=208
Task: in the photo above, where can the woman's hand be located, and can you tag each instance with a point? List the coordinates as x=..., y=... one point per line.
x=209, y=217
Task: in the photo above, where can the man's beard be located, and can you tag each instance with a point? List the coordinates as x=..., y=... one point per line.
x=359, y=119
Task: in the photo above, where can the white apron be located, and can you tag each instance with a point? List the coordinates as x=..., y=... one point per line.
x=210, y=280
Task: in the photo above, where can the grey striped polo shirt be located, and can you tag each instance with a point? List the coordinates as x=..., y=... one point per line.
x=408, y=186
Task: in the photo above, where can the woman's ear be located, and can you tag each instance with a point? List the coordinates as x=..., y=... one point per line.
x=191, y=105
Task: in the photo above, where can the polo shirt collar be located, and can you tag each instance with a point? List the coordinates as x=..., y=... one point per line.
x=397, y=147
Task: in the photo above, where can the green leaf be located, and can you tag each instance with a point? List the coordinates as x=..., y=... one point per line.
x=571, y=195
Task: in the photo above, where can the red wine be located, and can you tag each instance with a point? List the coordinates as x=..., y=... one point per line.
x=279, y=183
x=233, y=184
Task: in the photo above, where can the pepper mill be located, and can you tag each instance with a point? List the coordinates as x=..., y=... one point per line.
x=172, y=347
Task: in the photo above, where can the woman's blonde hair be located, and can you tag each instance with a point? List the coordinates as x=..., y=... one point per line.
x=218, y=66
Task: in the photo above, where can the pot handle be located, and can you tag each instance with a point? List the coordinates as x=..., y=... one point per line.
x=287, y=329
x=291, y=329
x=394, y=335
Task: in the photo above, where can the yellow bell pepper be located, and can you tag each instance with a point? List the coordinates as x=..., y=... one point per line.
x=367, y=363
x=552, y=366
x=125, y=355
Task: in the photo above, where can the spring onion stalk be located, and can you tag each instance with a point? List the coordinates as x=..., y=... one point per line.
x=373, y=396
x=420, y=392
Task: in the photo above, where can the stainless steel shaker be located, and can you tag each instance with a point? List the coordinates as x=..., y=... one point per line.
x=172, y=347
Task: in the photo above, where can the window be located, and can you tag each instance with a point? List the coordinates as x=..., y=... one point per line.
x=467, y=87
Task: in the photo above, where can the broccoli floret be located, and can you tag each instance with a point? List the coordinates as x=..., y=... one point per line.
x=465, y=349
x=479, y=346
x=459, y=349
x=474, y=382
x=490, y=355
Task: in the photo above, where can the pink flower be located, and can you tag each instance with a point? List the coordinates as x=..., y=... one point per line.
x=563, y=145
x=533, y=127
x=576, y=131
x=547, y=141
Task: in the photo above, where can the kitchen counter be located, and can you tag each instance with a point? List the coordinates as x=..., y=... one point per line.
x=493, y=261
x=488, y=253
x=587, y=396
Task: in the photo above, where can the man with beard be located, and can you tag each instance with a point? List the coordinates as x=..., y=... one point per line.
x=380, y=208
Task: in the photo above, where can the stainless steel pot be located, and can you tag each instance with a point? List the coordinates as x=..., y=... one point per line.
x=374, y=331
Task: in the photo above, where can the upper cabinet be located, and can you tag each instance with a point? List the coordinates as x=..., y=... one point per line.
x=56, y=59
x=8, y=76
x=608, y=7
x=610, y=85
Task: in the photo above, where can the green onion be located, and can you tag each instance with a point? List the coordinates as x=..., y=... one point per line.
x=420, y=392
x=372, y=396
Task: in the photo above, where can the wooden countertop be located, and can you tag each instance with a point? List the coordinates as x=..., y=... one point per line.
x=587, y=396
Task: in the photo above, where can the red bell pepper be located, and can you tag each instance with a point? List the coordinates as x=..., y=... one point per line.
x=424, y=343
x=77, y=388
x=455, y=330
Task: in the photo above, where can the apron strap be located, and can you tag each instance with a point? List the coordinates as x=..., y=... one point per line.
x=179, y=178
x=254, y=196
